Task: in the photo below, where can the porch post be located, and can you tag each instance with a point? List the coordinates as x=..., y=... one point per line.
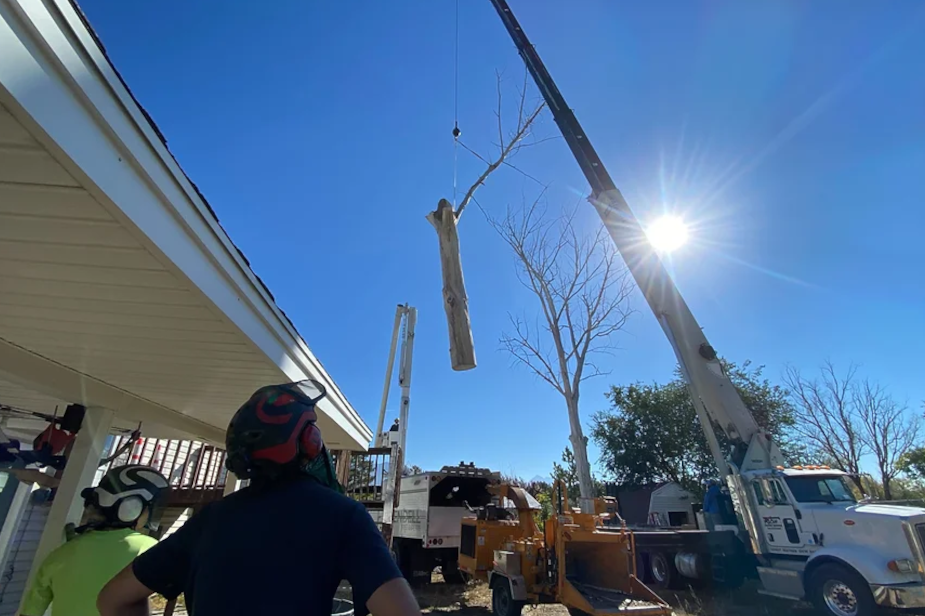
x=82, y=464
x=232, y=484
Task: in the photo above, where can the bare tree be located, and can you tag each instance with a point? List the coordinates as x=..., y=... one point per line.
x=446, y=217
x=889, y=430
x=843, y=419
x=826, y=417
x=583, y=289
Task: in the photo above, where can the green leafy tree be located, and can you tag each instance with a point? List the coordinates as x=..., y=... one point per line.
x=540, y=490
x=545, y=500
x=567, y=472
x=912, y=463
x=414, y=469
x=652, y=434
x=909, y=490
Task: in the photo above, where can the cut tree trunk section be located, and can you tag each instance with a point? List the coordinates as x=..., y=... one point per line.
x=455, y=301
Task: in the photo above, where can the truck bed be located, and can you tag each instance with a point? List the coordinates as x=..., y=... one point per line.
x=694, y=540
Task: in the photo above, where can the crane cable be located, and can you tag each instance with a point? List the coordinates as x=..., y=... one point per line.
x=456, y=131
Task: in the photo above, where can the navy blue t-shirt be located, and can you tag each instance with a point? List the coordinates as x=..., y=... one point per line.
x=279, y=550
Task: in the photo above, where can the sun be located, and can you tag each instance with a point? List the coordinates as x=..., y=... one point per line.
x=667, y=234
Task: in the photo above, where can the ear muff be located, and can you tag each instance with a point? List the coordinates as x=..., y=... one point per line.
x=310, y=442
x=130, y=509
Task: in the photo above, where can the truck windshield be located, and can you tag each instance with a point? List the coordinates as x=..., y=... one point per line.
x=820, y=489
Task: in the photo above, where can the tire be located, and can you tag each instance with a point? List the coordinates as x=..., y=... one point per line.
x=662, y=572
x=402, y=553
x=837, y=590
x=502, y=602
x=642, y=567
x=452, y=574
x=734, y=574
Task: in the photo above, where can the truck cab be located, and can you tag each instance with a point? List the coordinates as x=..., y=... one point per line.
x=818, y=541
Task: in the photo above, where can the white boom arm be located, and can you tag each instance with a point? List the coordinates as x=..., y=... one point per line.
x=714, y=396
x=405, y=320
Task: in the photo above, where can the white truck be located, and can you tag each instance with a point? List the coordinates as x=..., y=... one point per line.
x=801, y=527
x=426, y=523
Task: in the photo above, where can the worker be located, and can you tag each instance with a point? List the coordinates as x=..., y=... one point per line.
x=127, y=501
x=712, y=507
x=281, y=545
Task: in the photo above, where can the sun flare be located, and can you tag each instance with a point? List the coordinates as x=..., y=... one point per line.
x=667, y=233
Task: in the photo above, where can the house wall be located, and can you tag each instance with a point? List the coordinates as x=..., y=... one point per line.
x=20, y=554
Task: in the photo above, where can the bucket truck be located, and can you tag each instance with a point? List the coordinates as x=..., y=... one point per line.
x=801, y=527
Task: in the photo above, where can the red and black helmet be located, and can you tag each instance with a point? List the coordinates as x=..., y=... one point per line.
x=275, y=430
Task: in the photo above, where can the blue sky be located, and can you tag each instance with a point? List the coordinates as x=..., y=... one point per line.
x=790, y=135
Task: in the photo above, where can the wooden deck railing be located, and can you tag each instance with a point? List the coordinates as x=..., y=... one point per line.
x=195, y=470
x=368, y=478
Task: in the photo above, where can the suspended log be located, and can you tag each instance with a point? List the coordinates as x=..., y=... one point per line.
x=455, y=301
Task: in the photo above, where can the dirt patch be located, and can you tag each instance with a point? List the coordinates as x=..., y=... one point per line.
x=474, y=599
x=744, y=601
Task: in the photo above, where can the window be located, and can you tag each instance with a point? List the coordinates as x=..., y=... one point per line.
x=759, y=494
x=820, y=489
x=777, y=493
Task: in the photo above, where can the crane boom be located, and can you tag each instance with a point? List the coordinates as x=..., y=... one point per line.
x=714, y=396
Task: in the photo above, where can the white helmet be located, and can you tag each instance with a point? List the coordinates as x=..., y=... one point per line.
x=125, y=492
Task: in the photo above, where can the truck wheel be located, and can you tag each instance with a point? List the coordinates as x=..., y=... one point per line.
x=401, y=556
x=840, y=591
x=502, y=602
x=451, y=572
x=662, y=571
x=642, y=567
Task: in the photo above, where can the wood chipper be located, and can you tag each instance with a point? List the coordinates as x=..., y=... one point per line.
x=578, y=559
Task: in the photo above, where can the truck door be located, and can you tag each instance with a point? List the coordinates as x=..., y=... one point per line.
x=780, y=521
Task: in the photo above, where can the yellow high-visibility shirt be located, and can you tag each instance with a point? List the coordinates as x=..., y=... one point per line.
x=72, y=576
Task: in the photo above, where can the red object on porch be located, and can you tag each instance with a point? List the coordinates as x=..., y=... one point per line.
x=54, y=436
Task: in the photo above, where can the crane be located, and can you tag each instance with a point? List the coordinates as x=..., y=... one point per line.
x=794, y=520
x=715, y=398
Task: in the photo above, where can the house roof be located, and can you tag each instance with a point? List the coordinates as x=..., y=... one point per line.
x=121, y=288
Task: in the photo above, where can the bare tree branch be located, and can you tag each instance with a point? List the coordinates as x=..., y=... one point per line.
x=825, y=418
x=474, y=153
x=508, y=145
x=446, y=218
x=583, y=290
x=845, y=419
x=889, y=429
x=524, y=173
x=525, y=347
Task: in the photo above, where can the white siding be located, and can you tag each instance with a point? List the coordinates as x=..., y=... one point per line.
x=20, y=555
